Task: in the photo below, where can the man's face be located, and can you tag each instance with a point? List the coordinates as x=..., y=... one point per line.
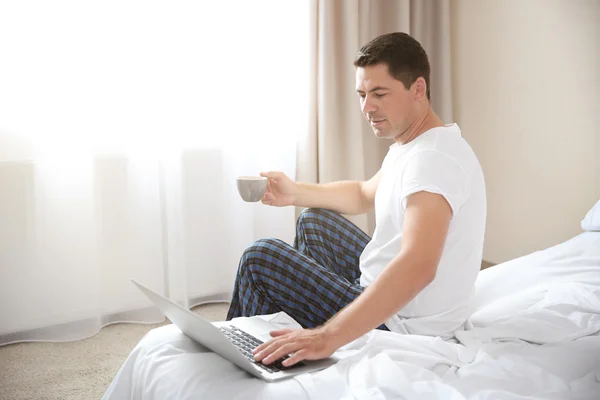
x=385, y=103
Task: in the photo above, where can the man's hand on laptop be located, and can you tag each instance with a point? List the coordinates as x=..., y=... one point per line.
x=302, y=344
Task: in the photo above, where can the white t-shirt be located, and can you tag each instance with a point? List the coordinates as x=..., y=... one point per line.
x=438, y=161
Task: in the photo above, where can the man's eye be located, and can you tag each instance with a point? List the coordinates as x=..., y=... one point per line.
x=380, y=95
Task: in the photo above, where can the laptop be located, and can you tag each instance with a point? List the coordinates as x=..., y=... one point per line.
x=232, y=340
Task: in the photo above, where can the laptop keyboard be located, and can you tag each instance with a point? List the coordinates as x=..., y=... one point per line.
x=246, y=343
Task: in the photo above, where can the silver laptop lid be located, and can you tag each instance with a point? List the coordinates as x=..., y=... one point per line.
x=199, y=329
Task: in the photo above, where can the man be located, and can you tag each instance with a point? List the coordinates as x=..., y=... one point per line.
x=416, y=275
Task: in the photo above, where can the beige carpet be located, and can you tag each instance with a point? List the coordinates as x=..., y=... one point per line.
x=75, y=370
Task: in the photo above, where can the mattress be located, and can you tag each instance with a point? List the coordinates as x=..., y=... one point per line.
x=534, y=333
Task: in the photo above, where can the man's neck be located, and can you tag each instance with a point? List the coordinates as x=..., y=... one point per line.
x=424, y=122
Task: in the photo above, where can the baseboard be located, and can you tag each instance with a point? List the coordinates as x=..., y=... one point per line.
x=84, y=328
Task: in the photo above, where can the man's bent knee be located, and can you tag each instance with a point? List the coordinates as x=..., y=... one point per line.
x=315, y=213
x=260, y=250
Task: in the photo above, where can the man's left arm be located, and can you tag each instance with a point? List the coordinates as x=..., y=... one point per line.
x=426, y=223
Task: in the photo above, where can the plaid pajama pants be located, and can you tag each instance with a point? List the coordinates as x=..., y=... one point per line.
x=310, y=281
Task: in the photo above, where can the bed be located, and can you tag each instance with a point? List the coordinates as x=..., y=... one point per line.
x=534, y=333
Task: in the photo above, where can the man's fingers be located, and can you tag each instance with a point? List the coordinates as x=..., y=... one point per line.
x=280, y=332
x=268, y=199
x=275, y=334
x=260, y=348
x=266, y=348
x=298, y=356
x=271, y=174
x=280, y=352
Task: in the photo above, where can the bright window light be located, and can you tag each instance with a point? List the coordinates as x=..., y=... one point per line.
x=146, y=76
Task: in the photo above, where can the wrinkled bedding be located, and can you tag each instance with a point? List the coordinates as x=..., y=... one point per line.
x=535, y=333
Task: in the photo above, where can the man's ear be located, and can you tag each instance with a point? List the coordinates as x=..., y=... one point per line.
x=420, y=88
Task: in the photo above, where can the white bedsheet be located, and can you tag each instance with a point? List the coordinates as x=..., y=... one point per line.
x=538, y=336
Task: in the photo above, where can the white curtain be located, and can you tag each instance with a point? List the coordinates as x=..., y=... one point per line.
x=123, y=125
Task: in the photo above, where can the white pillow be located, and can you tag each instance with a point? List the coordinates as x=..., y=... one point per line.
x=506, y=289
x=527, y=278
x=591, y=222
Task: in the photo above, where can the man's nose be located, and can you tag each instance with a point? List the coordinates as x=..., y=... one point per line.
x=368, y=107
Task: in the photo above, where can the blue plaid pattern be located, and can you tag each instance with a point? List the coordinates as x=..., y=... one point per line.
x=311, y=281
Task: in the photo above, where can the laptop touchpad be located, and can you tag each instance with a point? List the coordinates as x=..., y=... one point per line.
x=257, y=327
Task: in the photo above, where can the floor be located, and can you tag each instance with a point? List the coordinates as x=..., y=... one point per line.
x=75, y=370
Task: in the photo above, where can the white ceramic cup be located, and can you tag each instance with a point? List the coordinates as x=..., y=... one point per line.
x=251, y=188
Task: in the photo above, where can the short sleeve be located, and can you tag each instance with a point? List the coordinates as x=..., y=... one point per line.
x=435, y=172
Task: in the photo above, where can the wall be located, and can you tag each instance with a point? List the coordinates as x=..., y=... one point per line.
x=526, y=92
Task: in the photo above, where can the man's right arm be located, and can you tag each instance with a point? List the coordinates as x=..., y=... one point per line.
x=345, y=197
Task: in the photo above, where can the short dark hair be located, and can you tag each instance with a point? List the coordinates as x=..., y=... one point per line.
x=403, y=54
